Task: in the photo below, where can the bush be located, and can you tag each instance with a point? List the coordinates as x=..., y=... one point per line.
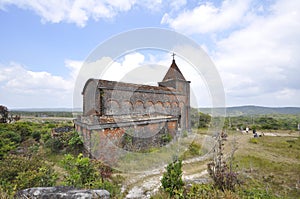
x=80, y=171
x=166, y=138
x=75, y=143
x=5, y=146
x=55, y=145
x=36, y=135
x=18, y=172
x=12, y=136
x=23, y=129
x=172, y=179
x=194, y=148
x=85, y=173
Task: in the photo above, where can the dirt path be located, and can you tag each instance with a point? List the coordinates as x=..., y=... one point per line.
x=194, y=170
x=146, y=184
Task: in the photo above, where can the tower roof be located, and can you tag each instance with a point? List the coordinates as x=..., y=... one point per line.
x=173, y=73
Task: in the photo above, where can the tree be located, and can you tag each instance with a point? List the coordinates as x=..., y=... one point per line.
x=3, y=114
x=199, y=120
x=172, y=179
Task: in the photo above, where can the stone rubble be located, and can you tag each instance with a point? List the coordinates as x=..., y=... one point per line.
x=61, y=192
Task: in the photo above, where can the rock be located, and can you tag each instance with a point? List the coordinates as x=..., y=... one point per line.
x=61, y=193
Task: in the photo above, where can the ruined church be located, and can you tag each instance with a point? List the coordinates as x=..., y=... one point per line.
x=134, y=117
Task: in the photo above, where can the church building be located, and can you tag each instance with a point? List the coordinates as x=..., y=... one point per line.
x=134, y=117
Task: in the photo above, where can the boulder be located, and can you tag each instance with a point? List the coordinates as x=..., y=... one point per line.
x=62, y=192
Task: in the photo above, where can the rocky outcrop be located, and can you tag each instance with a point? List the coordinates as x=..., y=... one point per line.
x=61, y=193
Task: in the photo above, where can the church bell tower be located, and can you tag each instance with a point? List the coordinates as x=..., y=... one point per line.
x=175, y=79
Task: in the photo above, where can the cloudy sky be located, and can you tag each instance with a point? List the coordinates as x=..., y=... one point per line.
x=254, y=44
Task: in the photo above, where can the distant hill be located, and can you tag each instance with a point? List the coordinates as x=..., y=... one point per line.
x=252, y=110
x=46, y=110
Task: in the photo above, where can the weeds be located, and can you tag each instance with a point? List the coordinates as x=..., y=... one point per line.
x=221, y=171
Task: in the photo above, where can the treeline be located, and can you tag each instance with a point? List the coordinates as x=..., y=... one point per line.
x=267, y=122
x=264, y=122
x=43, y=114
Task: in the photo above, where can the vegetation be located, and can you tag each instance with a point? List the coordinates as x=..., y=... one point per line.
x=31, y=157
x=194, y=149
x=43, y=114
x=254, y=120
x=264, y=122
x=19, y=172
x=199, y=120
x=221, y=171
x=171, y=181
x=268, y=167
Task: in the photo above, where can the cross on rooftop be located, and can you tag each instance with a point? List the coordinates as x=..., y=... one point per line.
x=173, y=55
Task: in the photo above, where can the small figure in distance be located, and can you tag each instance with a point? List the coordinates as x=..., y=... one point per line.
x=255, y=135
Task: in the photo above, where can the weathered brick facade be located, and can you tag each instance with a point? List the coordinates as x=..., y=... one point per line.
x=113, y=110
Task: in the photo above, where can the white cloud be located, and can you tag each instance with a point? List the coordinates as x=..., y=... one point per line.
x=24, y=81
x=116, y=71
x=207, y=18
x=177, y=4
x=20, y=87
x=78, y=11
x=254, y=44
x=260, y=63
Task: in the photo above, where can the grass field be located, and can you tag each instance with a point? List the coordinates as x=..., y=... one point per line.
x=269, y=163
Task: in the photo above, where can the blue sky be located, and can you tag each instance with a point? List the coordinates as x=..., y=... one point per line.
x=254, y=44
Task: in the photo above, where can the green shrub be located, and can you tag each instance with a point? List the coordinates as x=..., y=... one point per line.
x=172, y=181
x=85, y=173
x=9, y=140
x=14, y=137
x=75, y=143
x=55, y=145
x=45, y=137
x=5, y=146
x=23, y=129
x=195, y=148
x=80, y=171
x=166, y=137
x=18, y=172
x=36, y=135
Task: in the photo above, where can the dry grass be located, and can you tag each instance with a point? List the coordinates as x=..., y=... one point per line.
x=270, y=163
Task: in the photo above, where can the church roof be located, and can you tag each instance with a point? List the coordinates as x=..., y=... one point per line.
x=130, y=86
x=173, y=73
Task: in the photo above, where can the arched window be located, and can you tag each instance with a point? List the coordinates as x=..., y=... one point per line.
x=139, y=107
x=159, y=107
x=112, y=107
x=150, y=107
x=127, y=107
